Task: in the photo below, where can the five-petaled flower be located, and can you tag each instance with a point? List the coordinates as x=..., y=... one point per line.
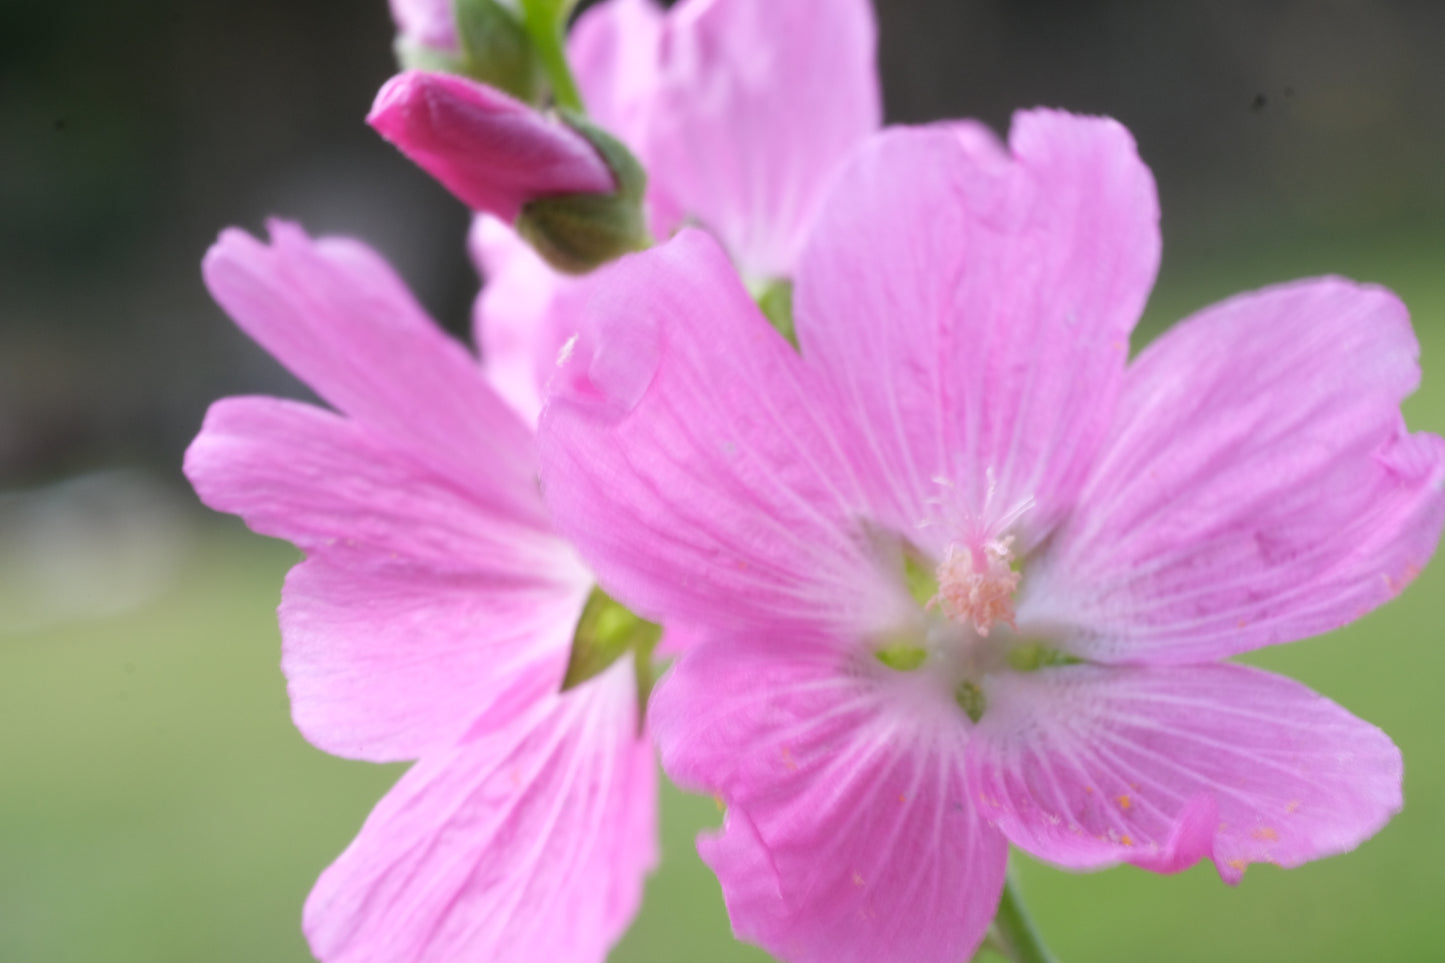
x=968, y=574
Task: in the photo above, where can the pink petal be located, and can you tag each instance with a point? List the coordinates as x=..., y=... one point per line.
x=528, y=841
x=327, y=483
x=613, y=49
x=1088, y=766
x=416, y=606
x=524, y=315
x=335, y=314
x=682, y=453
x=386, y=664
x=755, y=104
x=972, y=311
x=1258, y=485
x=493, y=152
x=430, y=23
x=850, y=834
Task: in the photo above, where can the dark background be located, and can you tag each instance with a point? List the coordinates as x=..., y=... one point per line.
x=130, y=133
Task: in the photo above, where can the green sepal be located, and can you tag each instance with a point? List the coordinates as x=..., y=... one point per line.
x=776, y=301
x=920, y=576
x=971, y=699
x=607, y=631
x=642, y=670
x=902, y=656
x=497, y=50
x=577, y=233
x=1034, y=656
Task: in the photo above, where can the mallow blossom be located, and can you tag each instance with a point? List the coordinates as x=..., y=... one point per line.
x=967, y=573
x=740, y=111
x=431, y=619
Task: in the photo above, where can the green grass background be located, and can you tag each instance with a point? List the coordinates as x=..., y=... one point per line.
x=157, y=805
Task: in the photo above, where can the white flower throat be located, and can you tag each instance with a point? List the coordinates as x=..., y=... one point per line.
x=965, y=629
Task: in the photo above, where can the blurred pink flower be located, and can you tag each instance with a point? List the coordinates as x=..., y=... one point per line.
x=740, y=110
x=968, y=578
x=431, y=619
x=427, y=23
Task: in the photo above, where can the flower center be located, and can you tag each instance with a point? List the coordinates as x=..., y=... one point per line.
x=976, y=583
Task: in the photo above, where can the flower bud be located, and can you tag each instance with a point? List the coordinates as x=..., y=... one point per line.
x=571, y=189
x=493, y=152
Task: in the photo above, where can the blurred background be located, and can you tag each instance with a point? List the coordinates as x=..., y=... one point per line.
x=156, y=803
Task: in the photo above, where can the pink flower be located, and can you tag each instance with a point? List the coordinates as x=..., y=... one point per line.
x=967, y=576
x=494, y=152
x=430, y=24
x=740, y=110
x=432, y=619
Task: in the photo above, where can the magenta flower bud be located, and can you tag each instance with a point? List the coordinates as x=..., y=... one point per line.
x=493, y=152
x=571, y=189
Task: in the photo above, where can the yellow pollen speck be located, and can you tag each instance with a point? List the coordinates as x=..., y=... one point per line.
x=1089, y=790
x=1266, y=834
x=1236, y=864
x=788, y=759
x=1126, y=840
x=722, y=807
x=902, y=798
x=1293, y=806
x=857, y=879
x=1124, y=802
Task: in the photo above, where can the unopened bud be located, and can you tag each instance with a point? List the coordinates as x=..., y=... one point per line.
x=490, y=150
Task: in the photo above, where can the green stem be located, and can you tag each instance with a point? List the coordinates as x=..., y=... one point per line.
x=1015, y=934
x=545, y=25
